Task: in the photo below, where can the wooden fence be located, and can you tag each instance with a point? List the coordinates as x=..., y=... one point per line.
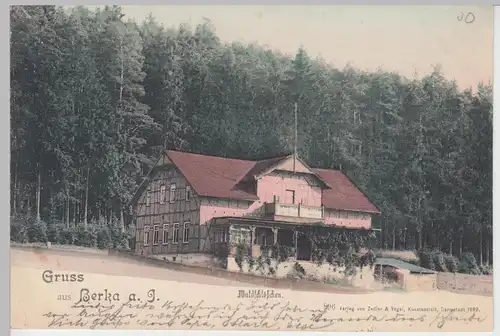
x=466, y=283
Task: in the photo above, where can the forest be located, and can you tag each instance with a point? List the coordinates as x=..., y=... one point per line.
x=95, y=97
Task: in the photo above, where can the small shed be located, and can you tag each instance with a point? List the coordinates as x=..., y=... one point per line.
x=409, y=276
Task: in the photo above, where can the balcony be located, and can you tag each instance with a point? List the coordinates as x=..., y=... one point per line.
x=294, y=210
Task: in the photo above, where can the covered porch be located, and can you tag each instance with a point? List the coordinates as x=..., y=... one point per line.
x=258, y=235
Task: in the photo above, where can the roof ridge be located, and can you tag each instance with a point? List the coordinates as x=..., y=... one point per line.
x=328, y=169
x=211, y=156
x=274, y=158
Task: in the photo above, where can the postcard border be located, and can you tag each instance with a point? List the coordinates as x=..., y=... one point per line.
x=5, y=321
x=5, y=177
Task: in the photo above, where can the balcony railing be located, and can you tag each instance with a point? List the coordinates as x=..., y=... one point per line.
x=294, y=210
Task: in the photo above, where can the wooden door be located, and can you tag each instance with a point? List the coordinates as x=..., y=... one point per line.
x=290, y=196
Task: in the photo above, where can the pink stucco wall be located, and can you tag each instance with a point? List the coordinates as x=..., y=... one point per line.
x=271, y=185
x=224, y=208
x=210, y=208
x=347, y=219
x=268, y=187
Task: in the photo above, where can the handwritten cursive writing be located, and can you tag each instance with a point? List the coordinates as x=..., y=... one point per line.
x=253, y=314
x=467, y=18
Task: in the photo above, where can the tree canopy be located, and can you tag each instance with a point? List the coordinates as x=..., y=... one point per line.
x=95, y=97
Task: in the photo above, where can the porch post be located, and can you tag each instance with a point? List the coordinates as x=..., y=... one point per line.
x=252, y=228
x=275, y=233
x=229, y=236
x=295, y=239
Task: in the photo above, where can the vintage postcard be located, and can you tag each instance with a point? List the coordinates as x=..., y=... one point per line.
x=279, y=168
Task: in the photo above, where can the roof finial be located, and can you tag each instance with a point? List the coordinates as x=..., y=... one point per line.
x=295, y=138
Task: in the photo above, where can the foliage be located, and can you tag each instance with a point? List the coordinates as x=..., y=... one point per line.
x=221, y=253
x=468, y=264
x=426, y=259
x=298, y=272
x=37, y=230
x=451, y=263
x=341, y=248
x=18, y=229
x=299, y=269
x=95, y=97
x=438, y=258
x=486, y=269
x=267, y=262
x=95, y=235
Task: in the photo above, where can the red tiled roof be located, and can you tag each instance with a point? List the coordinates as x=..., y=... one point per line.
x=343, y=195
x=213, y=176
x=262, y=165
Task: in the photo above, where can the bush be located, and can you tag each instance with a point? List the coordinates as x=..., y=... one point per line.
x=439, y=261
x=486, y=269
x=468, y=264
x=68, y=236
x=451, y=263
x=54, y=232
x=18, y=229
x=104, y=240
x=367, y=259
x=119, y=238
x=37, y=231
x=86, y=235
x=298, y=268
x=426, y=260
x=100, y=234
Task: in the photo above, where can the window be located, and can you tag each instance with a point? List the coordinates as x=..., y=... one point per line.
x=162, y=194
x=172, y=193
x=220, y=236
x=156, y=234
x=146, y=235
x=175, y=239
x=240, y=236
x=148, y=197
x=165, y=234
x=290, y=196
x=185, y=233
x=188, y=193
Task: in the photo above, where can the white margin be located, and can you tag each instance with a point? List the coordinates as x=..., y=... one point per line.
x=5, y=148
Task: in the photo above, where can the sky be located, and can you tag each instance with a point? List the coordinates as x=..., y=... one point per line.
x=404, y=39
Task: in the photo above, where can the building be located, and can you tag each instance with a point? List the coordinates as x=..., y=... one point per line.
x=407, y=276
x=193, y=203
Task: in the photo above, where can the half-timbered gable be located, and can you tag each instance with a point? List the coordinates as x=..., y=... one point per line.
x=187, y=195
x=168, y=213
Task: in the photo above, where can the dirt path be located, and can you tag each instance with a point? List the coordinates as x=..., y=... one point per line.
x=103, y=264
